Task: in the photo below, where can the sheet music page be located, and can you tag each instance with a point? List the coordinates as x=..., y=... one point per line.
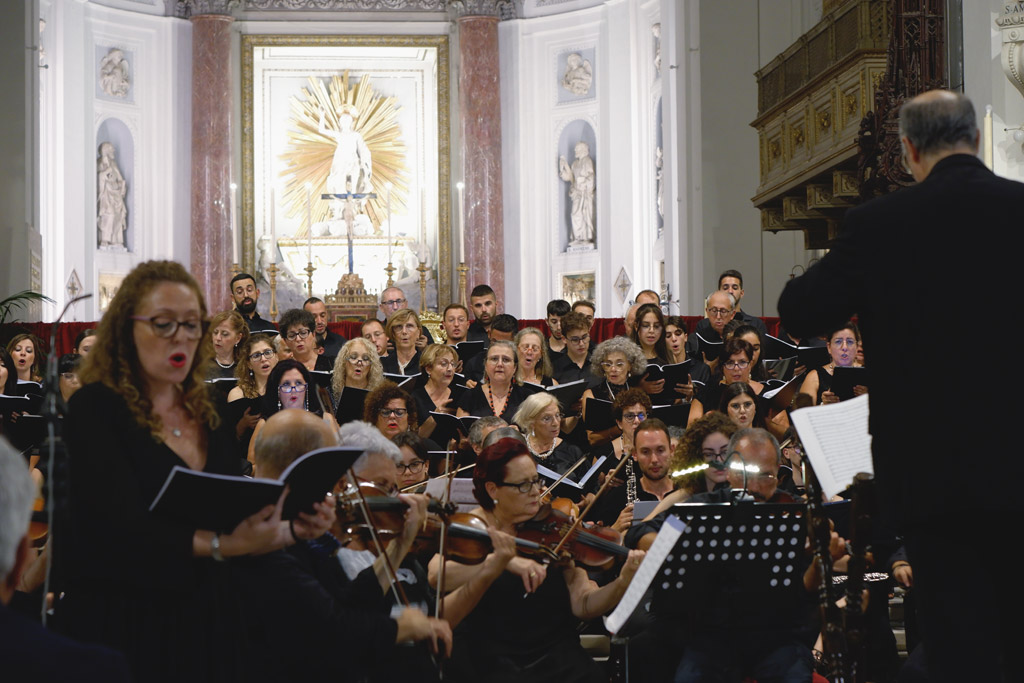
x=462, y=492
x=836, y=439
x=655, y=557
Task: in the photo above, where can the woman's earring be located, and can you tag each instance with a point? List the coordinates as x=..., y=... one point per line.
x=279, y=404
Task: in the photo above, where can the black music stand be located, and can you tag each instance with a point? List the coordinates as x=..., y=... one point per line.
x=742, y=557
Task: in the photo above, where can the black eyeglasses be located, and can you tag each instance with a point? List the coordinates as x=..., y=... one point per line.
x=265, y=353
x=523, y=486
x=415, y=467
x=298, y=334
x=165, y=327
x=396, y=412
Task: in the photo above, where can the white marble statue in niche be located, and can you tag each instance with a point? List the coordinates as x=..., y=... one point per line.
x=659, y=173
x=656, y=31
x=352, y=167
x=581, y=179
x=114, y=74
x=578, y=74
x=112, y=214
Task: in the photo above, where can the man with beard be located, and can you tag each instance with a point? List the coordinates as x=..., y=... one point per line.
x=651, y=454
x=245, y=295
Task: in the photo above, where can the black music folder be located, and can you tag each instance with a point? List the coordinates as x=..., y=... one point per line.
x=219, y=502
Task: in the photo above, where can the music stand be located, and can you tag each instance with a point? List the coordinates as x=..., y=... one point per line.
x=742, y=557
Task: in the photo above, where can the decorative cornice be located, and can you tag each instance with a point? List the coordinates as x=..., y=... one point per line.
x=193, y=8
x=347, y=5
x=503, y=9
x=1011, y=25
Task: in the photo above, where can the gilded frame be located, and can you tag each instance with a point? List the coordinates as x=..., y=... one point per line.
x=249, y=42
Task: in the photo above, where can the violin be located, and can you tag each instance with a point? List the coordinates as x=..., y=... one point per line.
x=468, y=541
x=596, y=547
x=387, y=512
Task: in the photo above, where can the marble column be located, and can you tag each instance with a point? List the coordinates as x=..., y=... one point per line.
x=211, y=157
x=480, y=104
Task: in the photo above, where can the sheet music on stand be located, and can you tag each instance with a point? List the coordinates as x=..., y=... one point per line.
x=745, y=556
x=836, y=439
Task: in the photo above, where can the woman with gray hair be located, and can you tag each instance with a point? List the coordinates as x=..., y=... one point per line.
x=614, y=360
x=539, y=418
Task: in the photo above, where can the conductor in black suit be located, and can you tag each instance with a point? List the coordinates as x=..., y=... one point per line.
x=943, y=249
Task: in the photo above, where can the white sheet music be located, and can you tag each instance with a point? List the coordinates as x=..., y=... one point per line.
x=462, y=492
x=836, y=439
x=662, y=546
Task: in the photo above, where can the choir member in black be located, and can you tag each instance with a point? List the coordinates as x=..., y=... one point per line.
x=26, y=353
x=509, y=637
x=533, y=364
x=403, y=330
x=330, y=341
x=297, y=327
x=84, y=342
x=157, y=590
x=498, y=394
x=675, y=342
x=438, y=394
x=734, y=365
x=574, y=363
x=842, y=345
x=752, y=336
x=357, y=366
x=556, y=310
x=455, y=323
x=539, y=418
x=503, y=327
x=392, y=411
x=373, y=331
x=67, y=375
x=256, y=360
x=228, y=332
x=740, y=404
x=291, y=387
x=614, y=361
x=649, y=333
x=301, y=611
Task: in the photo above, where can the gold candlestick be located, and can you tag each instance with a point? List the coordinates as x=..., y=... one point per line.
x=272, y=272
x=423, y=286
x=235, y=269
x=309, y=278
x=390, y=270
x=463, y=269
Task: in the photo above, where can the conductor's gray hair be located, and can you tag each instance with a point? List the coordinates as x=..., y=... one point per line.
x=937, y=124
x=16, y=495
x=366, y=436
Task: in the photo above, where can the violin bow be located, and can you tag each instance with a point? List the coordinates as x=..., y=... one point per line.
x=443, y=538
x=413, y=487
x=579, y=520
x=396, y=587
x=564, y=475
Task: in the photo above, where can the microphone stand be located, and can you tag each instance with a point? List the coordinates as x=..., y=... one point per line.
x=53, y=408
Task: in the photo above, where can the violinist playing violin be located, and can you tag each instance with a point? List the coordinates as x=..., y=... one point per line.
x=300, y=610
x=378, y=467
x=524, y=628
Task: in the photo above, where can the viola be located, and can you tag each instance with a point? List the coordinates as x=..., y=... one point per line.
x=597, y=547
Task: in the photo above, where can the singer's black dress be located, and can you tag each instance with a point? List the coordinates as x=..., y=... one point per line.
x=132, y=582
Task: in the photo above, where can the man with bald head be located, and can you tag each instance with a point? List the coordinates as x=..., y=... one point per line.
x=393, y=300
x=951, y=228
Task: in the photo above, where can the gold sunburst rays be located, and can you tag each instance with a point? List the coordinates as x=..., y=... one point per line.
x=309, y=153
